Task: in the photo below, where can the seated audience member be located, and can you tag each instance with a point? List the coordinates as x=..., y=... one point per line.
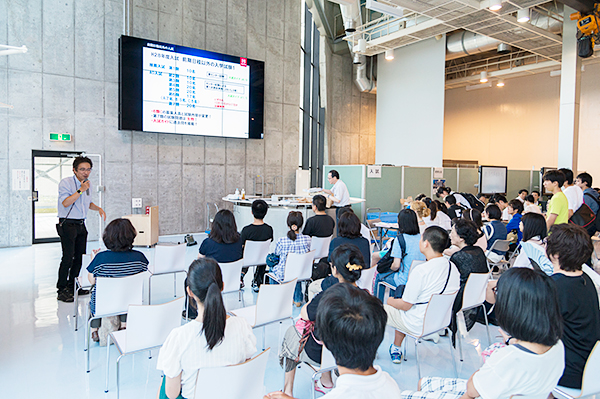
x=442, y=207
x=405, y=249
x=214, y=339
x=119, y=260
x=346, y=265
x=349, y=233
x=223, y=244
x=475, y=216
x=295, y=242
x=352, y=325
x=469, y=259
x=364, y=230
x=536, y=197
x=494, y=230
x=530, y=206
x=522, y=194
x=502, y=203
x=533, y=359
x=443, y=192
x=436, y=216
x=320, y=225
x=590, y=196
x=533, y=226
x=573, y=192
x=257, y=231
x=422, y=211
x=436, y=276
x=568, y=248
x=558, y=206
x=455, y=210
x=515, y=210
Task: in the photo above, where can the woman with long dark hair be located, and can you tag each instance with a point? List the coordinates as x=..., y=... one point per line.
x=213, y=339
x=533, y=248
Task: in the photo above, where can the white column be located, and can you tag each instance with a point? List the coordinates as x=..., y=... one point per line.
x=570, y=90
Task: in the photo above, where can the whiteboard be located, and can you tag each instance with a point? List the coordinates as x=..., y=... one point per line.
x=492, y=179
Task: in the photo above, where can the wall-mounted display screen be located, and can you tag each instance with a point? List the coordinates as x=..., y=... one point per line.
x=492, y=179
x=167, y=88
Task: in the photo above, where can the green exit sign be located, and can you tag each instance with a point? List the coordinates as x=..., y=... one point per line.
x=60, y=137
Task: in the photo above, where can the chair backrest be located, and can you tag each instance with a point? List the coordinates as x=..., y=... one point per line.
x=438, y=312
x=298, y=266
x=115, y=294
x=255, y=252
x=500, y=245
x=591, y=383
x=365, y=281
x=245, y=380
x=149, y=325
x=231, y=275
x=327, y=359
x=274, y=302
x=475, y=289
x=168, y=258
x=86, y=259
x=320, y=246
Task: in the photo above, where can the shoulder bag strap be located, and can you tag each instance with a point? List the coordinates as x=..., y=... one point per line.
x=445, y=285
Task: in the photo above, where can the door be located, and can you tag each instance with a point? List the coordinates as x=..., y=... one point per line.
x=49, y=168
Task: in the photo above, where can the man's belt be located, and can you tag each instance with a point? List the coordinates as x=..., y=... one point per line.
x=71, y=221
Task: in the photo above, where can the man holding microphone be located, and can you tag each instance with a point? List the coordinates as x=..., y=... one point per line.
x=74, y=200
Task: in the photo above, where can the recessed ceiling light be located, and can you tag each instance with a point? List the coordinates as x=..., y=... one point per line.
x=389, y=54
x=500, y=83
x=483, y=77
x=523, y=15
x=495, y=5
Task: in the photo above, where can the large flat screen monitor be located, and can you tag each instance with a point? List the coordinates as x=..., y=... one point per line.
x=492, y=179
x=167, y=88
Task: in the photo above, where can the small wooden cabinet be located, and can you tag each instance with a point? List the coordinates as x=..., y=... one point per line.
x=146, y=227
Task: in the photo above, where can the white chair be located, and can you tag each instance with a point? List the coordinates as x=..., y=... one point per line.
x=498, y=245
x=327, y=364
x=388, y=286
x=273, y=304
x=590, y=384
x=297, y=267
x=255, y=253
x=320, y=247
x=366, y=280
x=113, y=297
x=147, y=328
x=473, y=297
x=231, y=278
x=168, y=259
x=245, y=380
x=81, y=282
x=437, y=317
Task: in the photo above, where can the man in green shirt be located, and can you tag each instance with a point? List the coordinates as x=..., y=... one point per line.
x=558, y=206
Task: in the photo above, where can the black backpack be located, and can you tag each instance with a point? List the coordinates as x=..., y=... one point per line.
x=593, y=227
x=473, y=201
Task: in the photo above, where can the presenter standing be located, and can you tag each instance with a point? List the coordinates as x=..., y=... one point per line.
x=339, y=192
x=74, y=200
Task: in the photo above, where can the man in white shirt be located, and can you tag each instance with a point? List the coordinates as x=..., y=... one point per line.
x=443, y=192
x=502, y=203
x=522, y=194
x=436, y=276
x=339, y=192
x=573, y=192
x=353, y=345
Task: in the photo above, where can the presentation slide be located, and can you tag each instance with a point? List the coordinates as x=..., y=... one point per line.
x=188, y=94
x=492, y=179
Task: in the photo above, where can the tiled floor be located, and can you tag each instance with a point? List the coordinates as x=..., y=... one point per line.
x=41, y=356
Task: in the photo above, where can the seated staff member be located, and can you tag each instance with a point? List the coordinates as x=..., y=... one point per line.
x=568, y=248
x=339, y=192
x=320, y=225
x=533, y=226
x=533, y=359
x=494, y=230
x=558, y=206
x=257, y=231
x=436, y=276
x=214, y=339
x=120, y=260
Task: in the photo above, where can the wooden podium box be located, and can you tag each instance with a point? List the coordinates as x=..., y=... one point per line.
x=146, y=227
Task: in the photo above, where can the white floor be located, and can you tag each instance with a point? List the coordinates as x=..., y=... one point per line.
x=42, y=356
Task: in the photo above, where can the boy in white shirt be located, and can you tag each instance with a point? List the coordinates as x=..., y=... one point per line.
x=436, y=276
x=351, y=324
x=573, y=192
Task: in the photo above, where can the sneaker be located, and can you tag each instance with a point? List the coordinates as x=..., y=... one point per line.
x=396, y=355
x=82, y=292
x=255, y=287
x=319, y=387
x=65, y=296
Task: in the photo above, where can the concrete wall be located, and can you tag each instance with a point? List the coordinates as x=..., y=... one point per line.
x=517, y=125
x=68, y=82
x=410, y=105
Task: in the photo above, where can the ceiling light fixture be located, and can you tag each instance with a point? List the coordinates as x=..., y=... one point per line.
x=362, y=45
x=389, y=54
x=523, y=15
x=495, y=5
x=500, y=83
x=483, y=77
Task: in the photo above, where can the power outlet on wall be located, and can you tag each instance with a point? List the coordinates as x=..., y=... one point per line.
x=136, y=203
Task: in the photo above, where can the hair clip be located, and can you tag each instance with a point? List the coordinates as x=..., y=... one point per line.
x=352, y=267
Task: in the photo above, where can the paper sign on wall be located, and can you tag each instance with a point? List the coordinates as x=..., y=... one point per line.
x=438, y=173
x=21, y=180
x=374, y=171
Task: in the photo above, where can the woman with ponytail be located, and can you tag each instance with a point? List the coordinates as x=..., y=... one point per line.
x=213, y=339
x=296, y=243
x=436, y=216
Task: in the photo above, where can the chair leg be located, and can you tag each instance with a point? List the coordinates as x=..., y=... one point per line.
x=452, y=356
x=107, y=361
x=150, y=290
x=118, y=375
x=88, y=339
x=417, y=357
x=174, y=285
x=405, y=350
x=487, y=325
x=263, y=334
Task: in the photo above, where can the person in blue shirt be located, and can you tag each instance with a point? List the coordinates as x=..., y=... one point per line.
x=515, y=209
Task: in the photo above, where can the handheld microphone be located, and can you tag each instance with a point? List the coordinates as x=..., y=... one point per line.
x=88, y=190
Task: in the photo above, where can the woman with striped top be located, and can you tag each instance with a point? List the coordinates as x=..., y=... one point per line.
x=120, y=260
